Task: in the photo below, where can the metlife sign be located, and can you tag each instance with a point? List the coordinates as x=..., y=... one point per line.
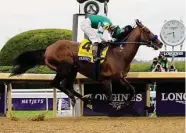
x=173, y=53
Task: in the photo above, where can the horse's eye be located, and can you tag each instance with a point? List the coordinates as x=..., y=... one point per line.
x=148, y=31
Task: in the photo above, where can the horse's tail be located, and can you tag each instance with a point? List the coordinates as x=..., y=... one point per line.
x=27, y=60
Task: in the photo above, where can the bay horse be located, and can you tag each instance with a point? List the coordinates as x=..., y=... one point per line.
x=61, y=57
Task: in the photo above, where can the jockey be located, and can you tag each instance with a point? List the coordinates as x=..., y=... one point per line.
x=101, y=23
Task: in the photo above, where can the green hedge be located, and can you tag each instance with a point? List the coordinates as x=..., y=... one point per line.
x=135, y=67
x=31, y=40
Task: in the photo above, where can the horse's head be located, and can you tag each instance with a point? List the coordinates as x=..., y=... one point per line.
x=147, y=36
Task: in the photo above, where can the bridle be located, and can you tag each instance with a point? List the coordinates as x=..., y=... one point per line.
x=149, y=43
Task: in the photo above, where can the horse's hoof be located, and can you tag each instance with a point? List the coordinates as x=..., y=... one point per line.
x=87, y=96
x=118, y=108
x=89, y=106
x=73, y=102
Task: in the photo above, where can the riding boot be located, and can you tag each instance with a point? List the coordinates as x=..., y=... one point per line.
x=96, y=60
x=95, y=52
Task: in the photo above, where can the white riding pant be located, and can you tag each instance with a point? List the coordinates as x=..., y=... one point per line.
x=89, y=31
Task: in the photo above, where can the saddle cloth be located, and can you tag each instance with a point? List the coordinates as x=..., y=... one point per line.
x=85, y=52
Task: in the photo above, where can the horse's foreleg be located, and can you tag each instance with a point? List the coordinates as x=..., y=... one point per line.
x=132, y=91
x=107, y=85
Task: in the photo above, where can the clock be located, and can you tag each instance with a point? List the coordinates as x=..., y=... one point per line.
x=173, y=33
x=91, y=7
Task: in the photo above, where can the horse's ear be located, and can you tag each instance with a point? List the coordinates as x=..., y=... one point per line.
x=138, y=23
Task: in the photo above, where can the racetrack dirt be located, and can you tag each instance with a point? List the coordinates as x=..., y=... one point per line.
x=95, y=125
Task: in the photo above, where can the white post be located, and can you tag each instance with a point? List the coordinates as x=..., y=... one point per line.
x=9, y=86
x=147, y=97
x=81, y=90
x=54, y=102
x=46, y=102
x=5, y=98
x=80, y=33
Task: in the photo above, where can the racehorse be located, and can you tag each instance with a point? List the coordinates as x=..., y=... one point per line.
x=62, y=57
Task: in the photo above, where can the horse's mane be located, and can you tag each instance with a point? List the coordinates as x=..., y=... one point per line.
x=123, y=36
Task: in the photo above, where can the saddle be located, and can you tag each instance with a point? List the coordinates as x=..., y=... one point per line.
x=85, y=51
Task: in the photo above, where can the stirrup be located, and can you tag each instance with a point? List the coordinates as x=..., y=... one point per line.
x=96, y=59
x=102, y=58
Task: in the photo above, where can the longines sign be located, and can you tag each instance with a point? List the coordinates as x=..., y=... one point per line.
x=173, y=53
x=119, y=96
x=171, y=99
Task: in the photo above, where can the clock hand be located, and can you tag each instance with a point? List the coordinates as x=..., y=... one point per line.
x=170, y=33
x=173, y=35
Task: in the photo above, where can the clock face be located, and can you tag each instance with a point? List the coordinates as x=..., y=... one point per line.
x=91, y=7
x=173, y=33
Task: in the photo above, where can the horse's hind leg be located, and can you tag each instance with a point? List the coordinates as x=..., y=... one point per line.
x=60, y=81
x=70, y=81
x=69, y=85
x=64, y=84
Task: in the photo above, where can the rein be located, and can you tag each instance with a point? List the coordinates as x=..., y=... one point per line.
x=147, y=43
x=123, y=43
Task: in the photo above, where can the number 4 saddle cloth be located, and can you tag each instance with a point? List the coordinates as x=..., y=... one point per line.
x=85, y=52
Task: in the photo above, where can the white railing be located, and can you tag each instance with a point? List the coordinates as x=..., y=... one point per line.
x=80, y=79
